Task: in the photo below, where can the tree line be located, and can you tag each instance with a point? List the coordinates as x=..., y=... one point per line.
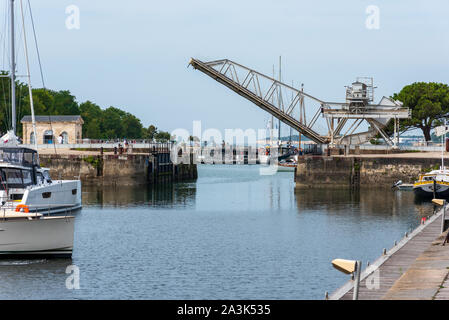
x=428, y=102
x=109, y=123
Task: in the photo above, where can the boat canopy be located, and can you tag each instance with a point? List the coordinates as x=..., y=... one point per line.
x=19, y=156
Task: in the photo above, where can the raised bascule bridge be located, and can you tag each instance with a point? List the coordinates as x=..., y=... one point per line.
x=333, y=123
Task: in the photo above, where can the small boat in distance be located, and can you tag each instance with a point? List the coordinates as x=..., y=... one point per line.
x=435, y=184
x=288, y=165
x=399, y=185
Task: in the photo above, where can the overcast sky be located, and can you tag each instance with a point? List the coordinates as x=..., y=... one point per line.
x=134, y=54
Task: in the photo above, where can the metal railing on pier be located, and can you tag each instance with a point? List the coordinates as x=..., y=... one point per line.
x=108, y=144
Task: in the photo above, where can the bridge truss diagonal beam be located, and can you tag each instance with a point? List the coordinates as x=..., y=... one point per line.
x=273, y=96
x=249, y=86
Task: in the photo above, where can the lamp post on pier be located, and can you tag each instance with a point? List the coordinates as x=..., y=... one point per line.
x=353, y=267
x=441, y=202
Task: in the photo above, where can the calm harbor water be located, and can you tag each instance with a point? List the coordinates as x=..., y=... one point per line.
x=232, y=234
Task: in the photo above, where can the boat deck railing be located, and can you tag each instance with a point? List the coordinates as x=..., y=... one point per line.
x=38, y=210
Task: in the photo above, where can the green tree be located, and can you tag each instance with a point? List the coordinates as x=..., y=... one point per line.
x=132, y=127
x=92, y=115
x=42, y=100
x=5, y=102
x=162, y=136
x=150, y=132
x=22, y=108
x=65, y=103
x=429, y=103
x=92, y=129
x=111, y=125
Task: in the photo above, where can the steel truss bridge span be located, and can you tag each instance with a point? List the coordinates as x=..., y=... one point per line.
x=287, y=104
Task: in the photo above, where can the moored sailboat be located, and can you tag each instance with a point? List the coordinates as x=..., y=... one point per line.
x=27, y=193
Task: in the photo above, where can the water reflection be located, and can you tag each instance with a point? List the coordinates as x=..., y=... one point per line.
x=373, y=202
x=319, y=198
x=168, y=195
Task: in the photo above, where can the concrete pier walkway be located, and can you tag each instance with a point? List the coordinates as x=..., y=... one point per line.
x=413, y=269
x=426, y=277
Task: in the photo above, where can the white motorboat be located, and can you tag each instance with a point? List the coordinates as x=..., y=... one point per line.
x=24, y=234
x=28, y=196
x=24, y=183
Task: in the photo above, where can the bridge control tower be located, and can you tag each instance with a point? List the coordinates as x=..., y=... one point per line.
x=360, y=93
x=359, y=107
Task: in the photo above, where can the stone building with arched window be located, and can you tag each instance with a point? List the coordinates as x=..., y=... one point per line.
x=49, y=128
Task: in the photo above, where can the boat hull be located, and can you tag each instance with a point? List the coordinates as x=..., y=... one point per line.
x=47, y=236
x=60, y=196
x=426, y=190
x=286, y=168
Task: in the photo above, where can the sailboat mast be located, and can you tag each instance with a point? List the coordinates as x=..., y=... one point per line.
x=279, y=102
x=443, y=142
x=13, y=71
x=30, y=88
x=272, y=117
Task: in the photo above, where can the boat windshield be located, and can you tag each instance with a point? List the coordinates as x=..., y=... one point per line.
x=15, y=178
x=20, y=156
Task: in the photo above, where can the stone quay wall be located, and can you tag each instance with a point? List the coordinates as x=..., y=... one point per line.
x=317, y=171
x=129, y=169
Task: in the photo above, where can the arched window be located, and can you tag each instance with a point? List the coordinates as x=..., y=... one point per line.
x=32, y=138
x=65, y=137
x=48, y=137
